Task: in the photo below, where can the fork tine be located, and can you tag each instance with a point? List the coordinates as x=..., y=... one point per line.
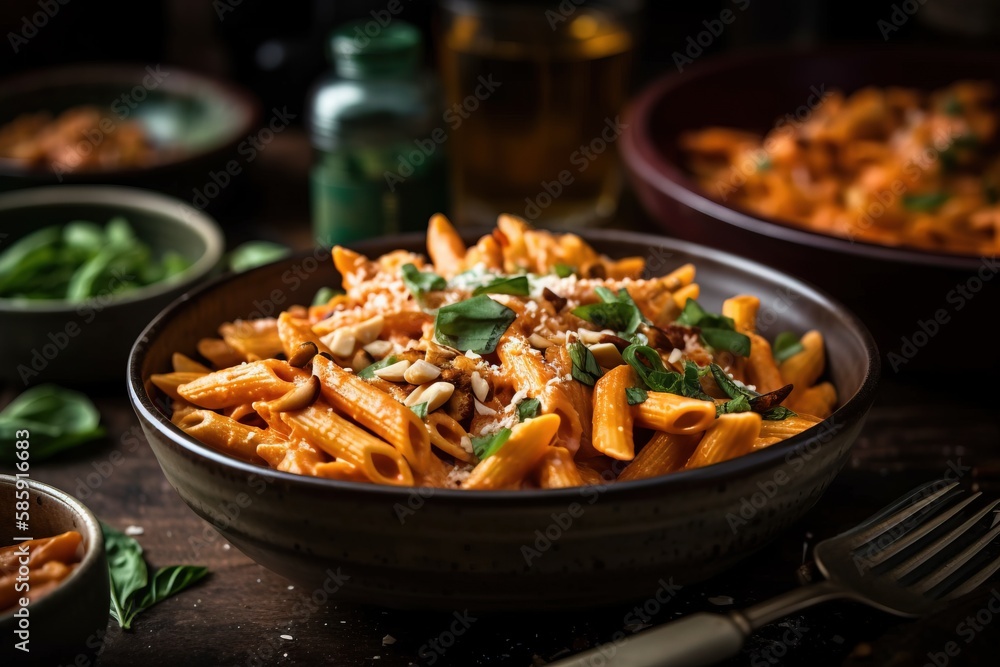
x=898, y=513
x=950, y=567
x=902, y=543
x=933, y=549
x=973, y=582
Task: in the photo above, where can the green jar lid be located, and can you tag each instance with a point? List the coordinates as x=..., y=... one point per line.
x=368, y=49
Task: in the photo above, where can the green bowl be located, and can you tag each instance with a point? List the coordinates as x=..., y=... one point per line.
x=198, y=122
x=89, y=342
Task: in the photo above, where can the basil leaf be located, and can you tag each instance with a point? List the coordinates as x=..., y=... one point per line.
x=517, y=285
x=786, y=344
x=255, y=253
x=528, y=409
x=324, y=294
x=127, y=572
x=25, y=246
x=474, y=324
x=585, y=366
x=739, y=404
x=692, y=381
x=486, y=446
x=57, y=418
x=727, y=385
x=635, y=395
x=778, y=413
x=169, y=581
x=419, y=282
x=692, y=314
x=617, y=316
x=420, y=409
x=634, y=317
x=928, y=202
x=131, y=589
x=368, y=372
x=563, y=270
x=724, y=339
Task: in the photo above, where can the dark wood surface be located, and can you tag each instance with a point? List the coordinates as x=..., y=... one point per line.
x=921, y=427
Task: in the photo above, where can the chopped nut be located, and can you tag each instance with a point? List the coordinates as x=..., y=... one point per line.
x=480, y=387
x=434, y=395
x=378, y=348
x=369, y=330
x=539, y=341
x=607, y=355
x=589, y=337
x=420, y=372
x=341, y=342
x=484, y=409
x=393, y=372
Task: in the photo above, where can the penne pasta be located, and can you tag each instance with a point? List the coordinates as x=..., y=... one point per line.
x=673, y=414
x=508, y=467
x=731, y=436
x=612, y=416
x=664, y=453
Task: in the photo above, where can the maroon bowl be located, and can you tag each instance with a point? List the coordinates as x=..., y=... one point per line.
x=920, y=306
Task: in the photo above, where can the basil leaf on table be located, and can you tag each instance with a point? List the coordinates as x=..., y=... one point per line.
x=585, y=366
x=255, y=253
x=485, y=446
x=132, y=591
x=474, y=324
x=528, y=409
x=516, y=285
x=419, y=282
x=56, y=418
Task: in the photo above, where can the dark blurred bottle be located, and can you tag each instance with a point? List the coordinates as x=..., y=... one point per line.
x=378, y=136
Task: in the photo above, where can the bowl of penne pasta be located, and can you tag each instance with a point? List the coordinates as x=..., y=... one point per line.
x=508, y=419
x=883, y=162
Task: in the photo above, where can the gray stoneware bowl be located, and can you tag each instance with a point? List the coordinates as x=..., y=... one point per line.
x=77, y=343
x=71, y=620
x=447, y=549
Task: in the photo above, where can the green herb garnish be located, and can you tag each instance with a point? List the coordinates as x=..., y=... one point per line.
x=528, y=409
x=486, y=446
x=419, y=282
x=636, y=395
x=474, y=324
x=927, y=203
x=131, y=590
x=56, y=419
x=368, y=372
x=646, y=363
x=718, y=331
x=743, y=399
x=615, y=311
x=786, y=344
x=420, y=409
x=563, y=270
x=585, y=366
x=324, y=294
x=517, y=285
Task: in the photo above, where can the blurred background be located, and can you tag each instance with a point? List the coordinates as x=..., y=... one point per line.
x=335, y=146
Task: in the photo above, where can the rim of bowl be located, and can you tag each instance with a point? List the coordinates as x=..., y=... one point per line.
x=131, y=74
x=640, y=153
x=849, y=413
x=91, y=526
x=124, y=198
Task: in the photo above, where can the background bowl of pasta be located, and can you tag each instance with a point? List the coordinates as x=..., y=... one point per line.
x=67, y=584
x=316, y=439
x=83, y=268
x=847, y=168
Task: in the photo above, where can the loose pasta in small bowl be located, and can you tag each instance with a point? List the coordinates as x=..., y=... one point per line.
x=429, y=416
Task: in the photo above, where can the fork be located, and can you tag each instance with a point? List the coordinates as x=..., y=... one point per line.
x=909, y=558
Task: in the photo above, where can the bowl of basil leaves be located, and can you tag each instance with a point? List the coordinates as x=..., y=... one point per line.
x=83, y=269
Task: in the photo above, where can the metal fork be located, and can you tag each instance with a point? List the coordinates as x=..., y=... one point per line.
x=909, y=558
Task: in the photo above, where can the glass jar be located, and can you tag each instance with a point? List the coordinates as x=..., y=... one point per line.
x=535, y=90
x=377, y=134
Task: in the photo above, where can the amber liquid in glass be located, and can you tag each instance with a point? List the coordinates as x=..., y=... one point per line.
x=534, y=118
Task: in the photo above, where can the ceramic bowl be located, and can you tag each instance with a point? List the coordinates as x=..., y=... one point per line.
x=66, y=626
x=88, y=342
x=892, y=289
x=558, y=549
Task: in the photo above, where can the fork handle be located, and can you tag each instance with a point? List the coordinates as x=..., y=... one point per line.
x=693, y=641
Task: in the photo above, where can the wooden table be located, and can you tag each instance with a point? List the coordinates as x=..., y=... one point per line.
x=921, y=426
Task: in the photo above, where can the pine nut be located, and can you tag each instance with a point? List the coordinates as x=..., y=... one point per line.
x=393, y=372
x=480, y=387
x=369, y=330
x=434, y=395
x=341, y=342
x=420, y=372
x=378, y=348
x=539, y=341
